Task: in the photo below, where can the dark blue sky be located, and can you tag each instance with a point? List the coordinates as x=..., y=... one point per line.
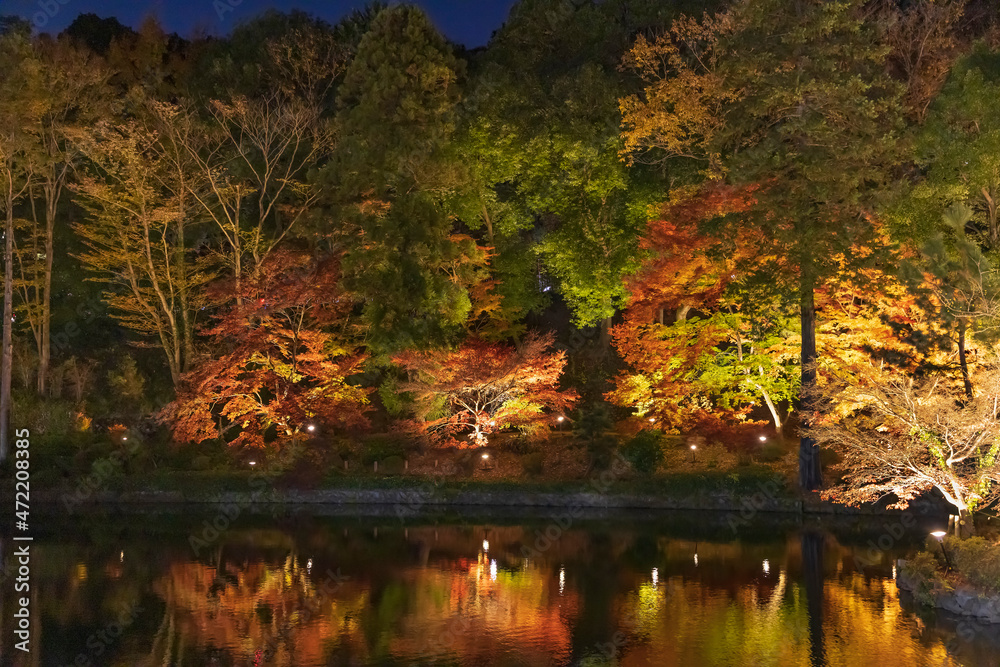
x=469, y=22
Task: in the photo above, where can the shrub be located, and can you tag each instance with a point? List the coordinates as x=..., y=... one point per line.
x=923, y=570
x=978, y=561
x=392, y=465
x=644, y=451
x=533, y=463
x=201, y=463
x=379, y=448
x=591, y=426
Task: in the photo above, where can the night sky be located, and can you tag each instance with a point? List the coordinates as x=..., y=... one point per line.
x=464, y=21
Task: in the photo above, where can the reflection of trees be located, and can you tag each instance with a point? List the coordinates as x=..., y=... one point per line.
x=430, y=594
x=472, y=614
x=248, y=610
x=766, y=620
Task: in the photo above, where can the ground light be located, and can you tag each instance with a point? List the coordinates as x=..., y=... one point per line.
x=253, y=463
x=763, y=438
x=311, y=428
x=694, y=450
x=939, y=535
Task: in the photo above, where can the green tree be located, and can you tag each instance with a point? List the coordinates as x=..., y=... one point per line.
x=958, y=148
x=390, y=175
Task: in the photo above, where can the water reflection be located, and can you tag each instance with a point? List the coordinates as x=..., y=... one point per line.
x=350, y=592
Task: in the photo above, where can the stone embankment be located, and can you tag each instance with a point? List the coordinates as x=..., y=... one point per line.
x=962, y=600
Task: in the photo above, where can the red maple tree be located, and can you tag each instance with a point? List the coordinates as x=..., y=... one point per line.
x=484, y=387
x=283, y=367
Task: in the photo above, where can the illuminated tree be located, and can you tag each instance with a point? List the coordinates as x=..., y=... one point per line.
x=723, y=346
x=135, y=237
x=798, y=102
x=282, y=365
x=905, y=434
x=485, y=387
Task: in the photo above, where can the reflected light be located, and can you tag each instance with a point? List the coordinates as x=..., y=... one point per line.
x=696, y=560
x=894, y=571
x=767, y=566
x=562, y=579
x=656, y=576
x=121, y=557
x=493, y=569
x=309, y=564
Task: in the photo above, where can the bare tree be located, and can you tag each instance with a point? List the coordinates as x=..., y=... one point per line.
x=15, y=181
x=135, y=238
x=73, y=95
x=924, y=40
x=902, y=435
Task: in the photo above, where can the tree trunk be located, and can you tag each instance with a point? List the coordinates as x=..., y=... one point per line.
x=8, y=313
x=962, y=361
x=773, y=408
x=605, y=334
x=45, y=351
x=809, y=467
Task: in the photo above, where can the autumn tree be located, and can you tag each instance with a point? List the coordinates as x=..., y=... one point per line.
x=483, y=387
x=702, y=343
x=135, y=236
x=902, y=435
x=800, y=103
x=282, y=364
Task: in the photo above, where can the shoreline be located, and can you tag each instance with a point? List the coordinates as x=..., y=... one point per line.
x=408, y=500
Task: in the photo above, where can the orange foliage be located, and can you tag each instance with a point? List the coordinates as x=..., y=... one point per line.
x=485, y=387
x=283, y=367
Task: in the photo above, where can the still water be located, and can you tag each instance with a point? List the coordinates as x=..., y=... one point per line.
x=303, y=590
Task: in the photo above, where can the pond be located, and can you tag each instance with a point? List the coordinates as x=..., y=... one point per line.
x=550, y=587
